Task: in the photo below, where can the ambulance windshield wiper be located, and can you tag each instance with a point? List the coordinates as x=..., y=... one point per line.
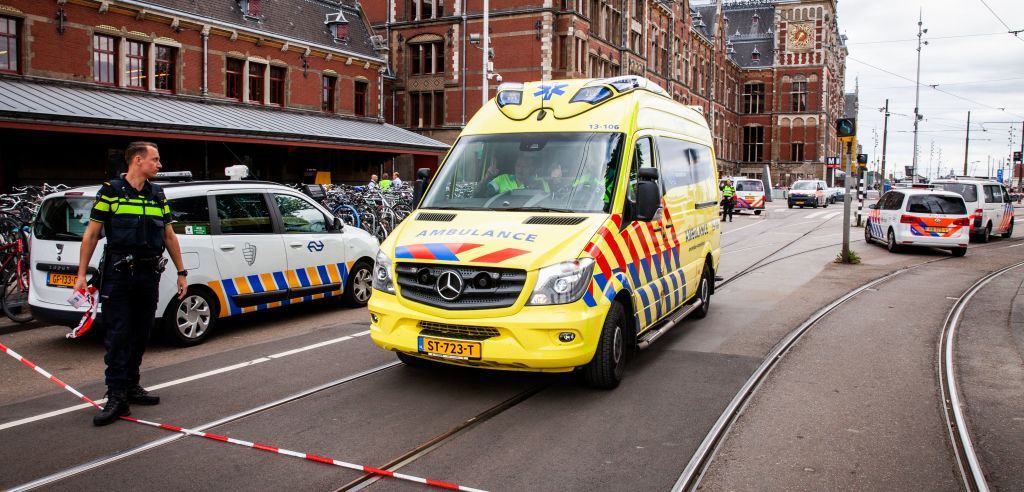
x=537, y=209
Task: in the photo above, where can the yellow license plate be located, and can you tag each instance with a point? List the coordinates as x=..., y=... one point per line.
x=936, y=229
x=61, y=280
x=449, y=349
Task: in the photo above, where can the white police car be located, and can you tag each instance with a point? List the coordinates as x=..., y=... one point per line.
x=919, y=217
x=247, y=245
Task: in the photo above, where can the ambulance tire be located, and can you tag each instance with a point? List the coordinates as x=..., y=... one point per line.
x=189, y=321
x=958, y=252
x=359, y=286
x=704, y=288
x=606, y=369
x=1009, y=230
x=890, y=242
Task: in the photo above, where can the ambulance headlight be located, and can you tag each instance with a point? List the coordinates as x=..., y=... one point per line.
x=562, y=283
x=382, y=279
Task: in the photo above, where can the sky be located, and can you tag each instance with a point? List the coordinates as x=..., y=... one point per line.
x=971, y=59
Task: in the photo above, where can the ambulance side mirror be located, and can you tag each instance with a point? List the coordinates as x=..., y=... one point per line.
x=648, y=197
x=422, y=177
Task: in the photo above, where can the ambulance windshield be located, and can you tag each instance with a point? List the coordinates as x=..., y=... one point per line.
x=561, y=172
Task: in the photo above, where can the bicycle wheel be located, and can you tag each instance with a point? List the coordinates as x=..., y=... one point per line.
x=348, y=214
x=15, y=296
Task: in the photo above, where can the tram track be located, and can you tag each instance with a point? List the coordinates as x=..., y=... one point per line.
x=969, y=465
x=701, y=459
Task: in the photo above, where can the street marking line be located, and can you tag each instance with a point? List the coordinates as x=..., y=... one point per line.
x=832, y=215
x=187, y=379
x=815, y=214
x=744, y=227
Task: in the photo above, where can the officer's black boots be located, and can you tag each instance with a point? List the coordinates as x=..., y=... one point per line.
x=139, y=396
x=117, y=406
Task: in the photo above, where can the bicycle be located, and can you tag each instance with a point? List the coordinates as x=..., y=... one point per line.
x=15, y=273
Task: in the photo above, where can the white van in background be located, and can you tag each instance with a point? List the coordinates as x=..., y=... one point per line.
x=749, y=193
x=988, y=204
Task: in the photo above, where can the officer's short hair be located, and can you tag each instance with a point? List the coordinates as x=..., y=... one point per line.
x=137, y=148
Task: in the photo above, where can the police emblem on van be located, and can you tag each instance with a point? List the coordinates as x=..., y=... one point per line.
x=249, y=253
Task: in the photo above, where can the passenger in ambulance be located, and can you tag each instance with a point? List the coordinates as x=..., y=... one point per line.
x=500, y=178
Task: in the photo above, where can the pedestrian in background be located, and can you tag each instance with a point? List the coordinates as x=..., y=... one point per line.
x=134, y=216
x=396, y=181
x=728, y=200
x=385, y=181
x=373, y=185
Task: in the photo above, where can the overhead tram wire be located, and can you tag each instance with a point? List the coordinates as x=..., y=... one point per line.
x=930, y=38
x=894, y=74
x=1009, y=29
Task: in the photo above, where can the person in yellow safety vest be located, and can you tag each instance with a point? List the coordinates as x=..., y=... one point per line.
x=500, y=178
x=728, y=200
x=385, y=181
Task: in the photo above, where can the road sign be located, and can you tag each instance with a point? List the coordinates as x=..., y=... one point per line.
x=832, y=162
x=999, y=175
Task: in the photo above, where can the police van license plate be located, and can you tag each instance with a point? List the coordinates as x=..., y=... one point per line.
x=449, y=349
x=937, y=229
x=61, y=279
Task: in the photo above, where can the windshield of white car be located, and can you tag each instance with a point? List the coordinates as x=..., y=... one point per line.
x=749, y=185
x=564, y=172
x=967, y=190
x=804, y=185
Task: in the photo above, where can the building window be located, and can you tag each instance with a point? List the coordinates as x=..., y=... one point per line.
x=799, y=96
x=425, y=9
x=327, y=94
x=360, y=97
x=233, y=78
x=638, y=10
x=563, y=52
x=104, y=59
x=753, y=98
x=277, y=77
x=8, y=45
x=256, y=74
x=426, y=109
x=753, y=143
x=426, y=58
x=797, y=151
x=164, y=64
x=135, y=64
x=251, y=8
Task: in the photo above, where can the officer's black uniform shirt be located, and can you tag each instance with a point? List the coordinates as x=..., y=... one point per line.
x=133, y=221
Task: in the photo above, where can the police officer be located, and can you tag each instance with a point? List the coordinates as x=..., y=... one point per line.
x=134, y=216
x=728, y=200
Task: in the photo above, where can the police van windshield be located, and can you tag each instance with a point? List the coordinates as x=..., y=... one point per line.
x=749, y=185
x=804, y=185
x=967, y=190
x=563, y=172
x=63, y=218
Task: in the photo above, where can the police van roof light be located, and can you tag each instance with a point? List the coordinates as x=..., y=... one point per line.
x=174, y=176
x=592, y=94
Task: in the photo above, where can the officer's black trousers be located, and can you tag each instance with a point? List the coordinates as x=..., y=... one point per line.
x=129, y=301
x=727, y=207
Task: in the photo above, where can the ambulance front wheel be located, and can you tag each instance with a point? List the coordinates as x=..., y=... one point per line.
x=704, y=293
x=189, y=321
x=605, y=370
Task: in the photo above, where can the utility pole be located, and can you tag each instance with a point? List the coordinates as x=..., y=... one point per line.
x=885, y=137
x=967, y=141
x=1020, y=178
x=917, y=90
x=846, y=154
x=487, y=50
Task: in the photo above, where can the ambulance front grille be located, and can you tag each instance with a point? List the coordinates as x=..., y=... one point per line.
x=435, y=216
x=464, y=332
x=418, y=282
x=554, y=220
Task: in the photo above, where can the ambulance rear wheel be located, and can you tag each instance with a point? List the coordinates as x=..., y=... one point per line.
x=189, y=321
x=605, y=370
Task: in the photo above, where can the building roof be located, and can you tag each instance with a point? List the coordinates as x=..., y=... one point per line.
x=298, y=19
x=77, y=106
x=749, y=27
x=850, y=103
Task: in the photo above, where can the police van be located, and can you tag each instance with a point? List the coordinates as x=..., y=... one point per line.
x=248, y=246
x=572, y=222
x=989, y=204
x=749, y=193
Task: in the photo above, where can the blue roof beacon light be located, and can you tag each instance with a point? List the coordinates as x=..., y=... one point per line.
x=510, y=93
x=592, y=94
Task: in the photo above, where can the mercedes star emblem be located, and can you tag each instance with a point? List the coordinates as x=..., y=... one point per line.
x=449, y=285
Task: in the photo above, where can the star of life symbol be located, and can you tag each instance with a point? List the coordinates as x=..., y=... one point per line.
x=550, y=90
x=449, y=285
x=249, y=253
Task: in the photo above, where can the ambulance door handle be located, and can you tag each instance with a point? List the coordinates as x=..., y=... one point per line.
x=657, y=229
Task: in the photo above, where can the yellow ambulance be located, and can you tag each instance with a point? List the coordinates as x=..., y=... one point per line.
x=570, y=224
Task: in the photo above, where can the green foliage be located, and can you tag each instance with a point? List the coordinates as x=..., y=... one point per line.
x=852, y=259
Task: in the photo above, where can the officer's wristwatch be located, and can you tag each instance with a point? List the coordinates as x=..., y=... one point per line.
x=183, y=273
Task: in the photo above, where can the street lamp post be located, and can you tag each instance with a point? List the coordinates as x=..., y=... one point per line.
x=917, y=91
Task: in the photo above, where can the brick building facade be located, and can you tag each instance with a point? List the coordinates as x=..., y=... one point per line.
x=768, y=74
x=285, y=86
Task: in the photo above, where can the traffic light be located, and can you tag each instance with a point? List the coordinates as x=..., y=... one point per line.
x=846, y=127
x=1016, y=156
x=862, y=161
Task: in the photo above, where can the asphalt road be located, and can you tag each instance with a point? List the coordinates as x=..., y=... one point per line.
x=563, y=437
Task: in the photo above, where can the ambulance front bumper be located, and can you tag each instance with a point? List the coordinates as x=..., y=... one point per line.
x=533, y=339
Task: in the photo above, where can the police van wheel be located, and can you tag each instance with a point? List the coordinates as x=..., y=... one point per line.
x=1009, y=230
x=757, y=212
x=986, y=236
x=704, y=293
x=605, y=370
x=190, y=320
x=357, y=292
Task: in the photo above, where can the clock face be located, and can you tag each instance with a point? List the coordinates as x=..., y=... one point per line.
x=800, y=36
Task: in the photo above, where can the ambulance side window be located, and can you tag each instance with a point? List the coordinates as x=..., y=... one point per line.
x=643, y=156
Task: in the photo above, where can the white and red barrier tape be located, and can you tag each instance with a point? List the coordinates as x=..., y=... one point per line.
x=261, y=447
x=87, y=318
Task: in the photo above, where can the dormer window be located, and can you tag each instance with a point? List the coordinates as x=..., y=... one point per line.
x=251, y=9
x=337, y=24
x=755, y=56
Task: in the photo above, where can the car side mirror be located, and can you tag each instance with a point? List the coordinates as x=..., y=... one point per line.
x=873, y=206
x=338, y=225
x=422, y=177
